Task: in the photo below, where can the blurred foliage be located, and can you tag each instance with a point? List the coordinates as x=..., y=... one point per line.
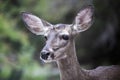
x=17, y=61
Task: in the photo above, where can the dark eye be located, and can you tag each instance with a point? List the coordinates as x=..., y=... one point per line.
x=45, y=37
x=65, y=37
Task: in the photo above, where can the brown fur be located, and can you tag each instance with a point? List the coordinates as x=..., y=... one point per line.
x=71, y=70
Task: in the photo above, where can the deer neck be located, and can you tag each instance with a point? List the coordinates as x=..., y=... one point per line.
x=69, y=67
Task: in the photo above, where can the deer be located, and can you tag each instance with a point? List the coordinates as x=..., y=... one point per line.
x=60, y=46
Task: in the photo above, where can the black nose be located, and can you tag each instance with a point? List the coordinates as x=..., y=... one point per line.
x=44, y=55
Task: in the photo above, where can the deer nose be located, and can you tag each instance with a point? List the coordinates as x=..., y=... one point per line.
x=44, y=55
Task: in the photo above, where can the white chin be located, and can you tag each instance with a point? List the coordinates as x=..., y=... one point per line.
x=48, y=61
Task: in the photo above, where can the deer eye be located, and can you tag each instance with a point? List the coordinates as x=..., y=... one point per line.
x=65, y=37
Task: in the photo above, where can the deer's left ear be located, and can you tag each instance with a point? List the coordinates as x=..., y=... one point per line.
x=83, y=19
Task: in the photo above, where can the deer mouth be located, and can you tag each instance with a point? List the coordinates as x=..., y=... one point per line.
x=49, y=60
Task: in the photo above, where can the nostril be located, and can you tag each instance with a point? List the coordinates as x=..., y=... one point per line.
x=44, y=55
x=48, y=54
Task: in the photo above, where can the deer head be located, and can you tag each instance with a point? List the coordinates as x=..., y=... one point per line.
x=58, y=37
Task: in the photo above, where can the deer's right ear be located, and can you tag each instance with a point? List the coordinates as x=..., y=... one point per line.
x=35, y=24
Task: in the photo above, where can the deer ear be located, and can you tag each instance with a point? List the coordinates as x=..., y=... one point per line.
x=83, y=19
x=35, y=24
